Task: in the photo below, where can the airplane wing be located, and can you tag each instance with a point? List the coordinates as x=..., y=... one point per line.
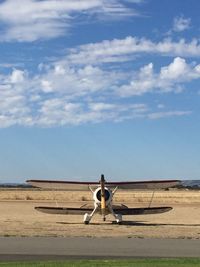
x=64, y=211
x=122, y=211
x=142, y=211
x=156, y=184
x=62, y=185
x=73, y=185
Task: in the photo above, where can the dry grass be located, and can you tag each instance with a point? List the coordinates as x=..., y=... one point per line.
x=164, y=197
x=19, y=218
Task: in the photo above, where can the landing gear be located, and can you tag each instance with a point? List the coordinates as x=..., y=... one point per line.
x=118, y=217
x=87, y=217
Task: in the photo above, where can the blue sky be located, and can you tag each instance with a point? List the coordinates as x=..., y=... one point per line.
x=99, y=86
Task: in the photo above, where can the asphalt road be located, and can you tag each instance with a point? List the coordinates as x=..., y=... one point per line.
x=53, y=248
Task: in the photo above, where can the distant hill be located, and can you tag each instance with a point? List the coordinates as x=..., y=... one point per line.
x=15, y=185
x=191, y=184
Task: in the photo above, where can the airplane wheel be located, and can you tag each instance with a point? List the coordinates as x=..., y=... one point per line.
x=86, y=218
x=118, y=218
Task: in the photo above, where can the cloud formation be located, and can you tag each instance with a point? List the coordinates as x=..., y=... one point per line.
x=122, y=50
x=181, y=24
x=169, y=79
x=64, y=94
x=31, y=20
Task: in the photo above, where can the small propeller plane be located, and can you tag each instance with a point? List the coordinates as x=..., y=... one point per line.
x=103, y=193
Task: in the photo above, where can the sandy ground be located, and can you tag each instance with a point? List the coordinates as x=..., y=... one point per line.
x=18, y=217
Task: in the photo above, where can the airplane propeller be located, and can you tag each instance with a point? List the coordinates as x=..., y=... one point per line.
x=103, y=199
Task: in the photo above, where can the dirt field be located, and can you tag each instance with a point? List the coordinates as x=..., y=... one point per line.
x=18, y=217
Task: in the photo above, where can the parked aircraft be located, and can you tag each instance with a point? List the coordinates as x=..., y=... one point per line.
x=103, y=193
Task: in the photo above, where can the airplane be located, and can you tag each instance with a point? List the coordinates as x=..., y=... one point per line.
x=103, y=193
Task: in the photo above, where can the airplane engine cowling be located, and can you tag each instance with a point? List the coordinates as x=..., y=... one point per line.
x=97, y=195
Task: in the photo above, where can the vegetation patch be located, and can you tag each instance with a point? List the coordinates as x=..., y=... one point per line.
x=110, y=263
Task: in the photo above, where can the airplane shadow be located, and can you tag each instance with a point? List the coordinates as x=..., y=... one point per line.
x=138, y=223
x=69, y=223
x=91, y=223
x=81, y=223
x=131, y=223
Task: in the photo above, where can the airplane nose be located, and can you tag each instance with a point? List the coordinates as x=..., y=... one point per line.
x=107, y=195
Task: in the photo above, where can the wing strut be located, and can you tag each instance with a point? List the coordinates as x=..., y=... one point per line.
x=151, y=199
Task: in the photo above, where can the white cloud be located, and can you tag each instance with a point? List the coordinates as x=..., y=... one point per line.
x=167, y=114
x=64, y=94
x=30, y=20
x=168, y=79
x=14, y=108
x=17, y=76
x=181, y=24
x=121, y=50
x=46, y=86
x=61, y=112
x=101, y=106
x=178, y=69
x=68, y=80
